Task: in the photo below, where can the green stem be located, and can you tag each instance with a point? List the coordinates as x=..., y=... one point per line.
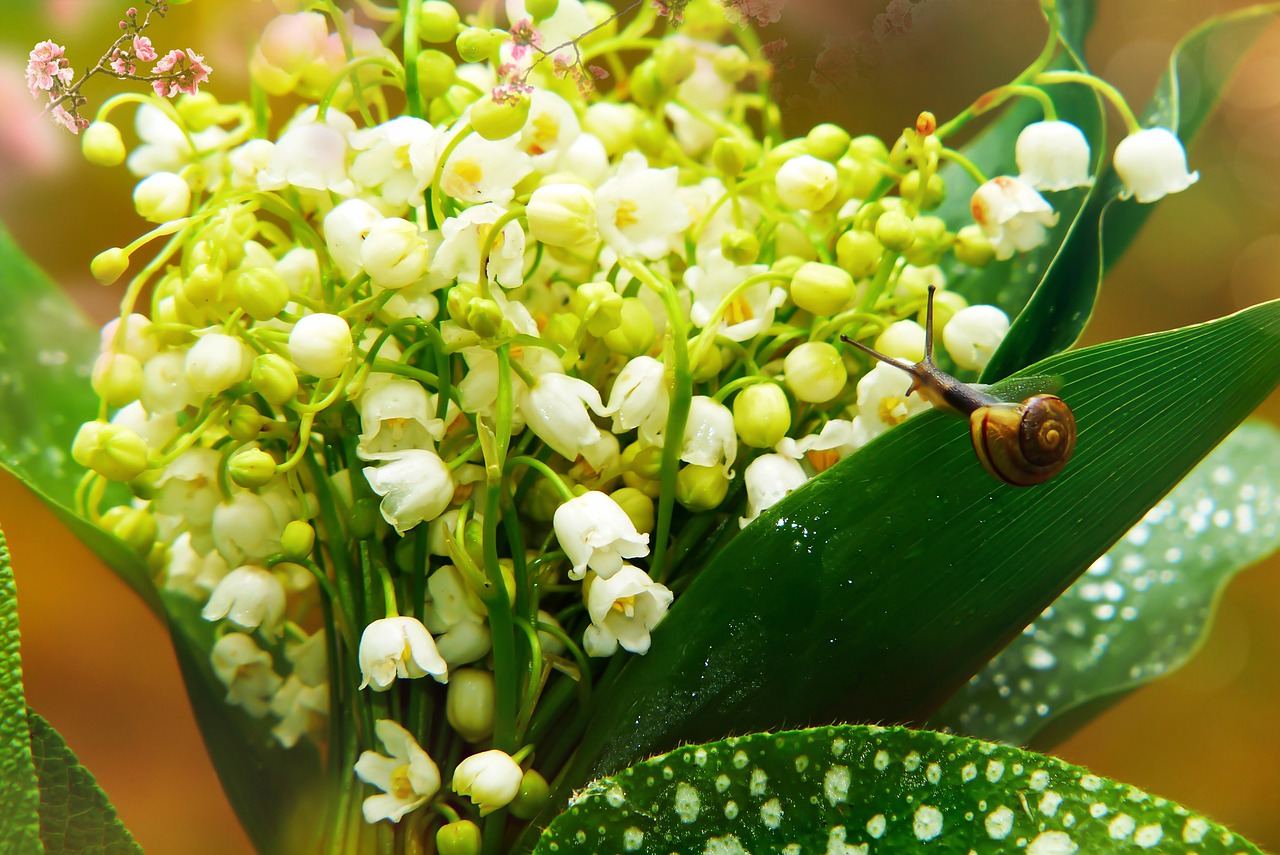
x=1100, y=86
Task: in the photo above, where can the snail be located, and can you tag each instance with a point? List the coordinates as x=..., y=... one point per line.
x=1021, y=444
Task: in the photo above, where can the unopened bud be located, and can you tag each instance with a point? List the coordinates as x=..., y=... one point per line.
x=438, y=22
x=814, y=372
x=563, y=215
x=458, y=838
x=740, y=246
x=533, y=796
x=895, y=231
x=822, y=289
x=807, y=183
x=828, y=142
x=101, y=144
x=108, y=265
x=244, y=423
x=436, y=71
x=973, y=247
x=261, y=292
x=161, y=197
x=117, y=378
x=273, y=378
x=134, y=526
x=541, y=9
x=637, y=506
x=599, y=304
x=251, y=468
x=495, y=120
x=701, y=488
x=675, y=63
x=858, y=253
x=470, y=704
x=761, y=415
x=635, y=332
x=114, y=452
x=476, y=44
x=730, y=156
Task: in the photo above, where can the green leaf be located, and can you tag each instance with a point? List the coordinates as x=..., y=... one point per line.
x=1188, y=92
x=20, y=818
x=861, y=789
x=881, y=586
x=46, y=350
x=76, y=817
x=1141, y=610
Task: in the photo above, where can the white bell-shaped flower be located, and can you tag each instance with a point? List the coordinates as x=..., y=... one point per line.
x=491, y=779
x=1012, y=215
x=459, y=254
x=415, y=486
x=1053, y=155
x=623, y=609
x=640, y=399
x=1152, y=163
x=246, y=528
x=396, y=159
x=216, y=362
x=345, y=230
x=834, y=442
x=250, y=597
x=190, y=573
x=551, y=129
x=555, y=409
x=408, y=777
x=398, y=647
x=748, y=313
x=769, y=478
x=302, y=710
x=806, y=182
x=709, y=435
x=883, y=401
x=638, y=209
x=246, y=670
x=973, y=334
x=311, y=155
x=394, y=253
x=165, y=385
x=396, y=414
x=320, y=344
x=480, y=170
x=594, y=531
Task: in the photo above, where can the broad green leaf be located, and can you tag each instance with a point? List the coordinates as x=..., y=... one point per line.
x=879, y=588
x=46, y=350
x=76, y=817
x=1188, y=92
x=1141, y=610
x=852, y=789
x=20, y=818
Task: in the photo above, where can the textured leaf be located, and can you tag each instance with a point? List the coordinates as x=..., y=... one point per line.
x=76, y=818
x=1141, y=610
x=1188, y=92
x=19, y=796
x=849, y=789
x=880, y=587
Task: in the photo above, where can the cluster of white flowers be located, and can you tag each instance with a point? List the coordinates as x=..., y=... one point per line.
x=463, y=373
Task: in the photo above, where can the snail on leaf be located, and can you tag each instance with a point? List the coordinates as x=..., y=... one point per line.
x=1021, y=444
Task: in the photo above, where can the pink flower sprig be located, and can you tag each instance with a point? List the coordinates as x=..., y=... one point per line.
x=49, y=72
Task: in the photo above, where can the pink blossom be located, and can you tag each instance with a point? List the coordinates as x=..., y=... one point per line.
x=71, y=122
x=673, y=9
x=511, y=93
x=121, y=63
x=180, y=72
x=762, y=12
x=47, y=67
x=524, y=37
x=143, y=50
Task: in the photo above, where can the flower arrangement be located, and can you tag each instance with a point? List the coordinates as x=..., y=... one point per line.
x=475, y=424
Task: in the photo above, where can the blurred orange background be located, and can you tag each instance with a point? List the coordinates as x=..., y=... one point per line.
x=101, y=669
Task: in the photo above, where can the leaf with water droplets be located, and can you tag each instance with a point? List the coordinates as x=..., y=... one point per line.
x=1141, y=610
x=855, y=790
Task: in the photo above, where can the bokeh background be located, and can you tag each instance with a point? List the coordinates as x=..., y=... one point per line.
x=101, y=669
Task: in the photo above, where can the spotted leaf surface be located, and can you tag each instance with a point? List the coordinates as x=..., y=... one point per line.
x=1143, y=608
x=858, y=790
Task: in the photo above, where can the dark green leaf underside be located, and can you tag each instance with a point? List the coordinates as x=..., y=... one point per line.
x=1141, y=610
x=865, y=790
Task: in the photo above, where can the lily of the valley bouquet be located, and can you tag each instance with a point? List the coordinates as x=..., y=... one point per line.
x=502, y=399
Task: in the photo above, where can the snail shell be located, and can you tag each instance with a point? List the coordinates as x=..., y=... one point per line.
x=1024, y=444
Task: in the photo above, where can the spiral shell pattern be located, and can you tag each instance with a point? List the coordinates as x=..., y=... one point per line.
x=1024, y=444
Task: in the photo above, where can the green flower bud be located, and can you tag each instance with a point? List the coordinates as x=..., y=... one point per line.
x=484, y=317
x=708, y=365
x=828, y=142
x=781, y=153
x=563, y=215
x=599, y=305
x=261, y=292
x=637, y=506
x=814, y=372
x=858, y=253
x=251, y=468
x=273, y=378
x=902, y=340
x=244, y=423
x=973, y=247
x=935, y=191
x=541, y=501
x=613, y=124
x=932, y=241
x=476, y=44
x=858, y=178
x=201, y=111
x=437, y=22
x=562, y=329
x=497, y=121
x=203, y=286
x=651, y=138
x=117, y=378
x=730, y=155
x=364, y=517
x=109, y=265
x=868, y=147
x=101, y=144
x=134, y=526
x=114, y=452
x=540, y=10
x=458, y=838
x=822, y=289
x=675, y=63
x=533, y=796
x=635, y=332
x=147, y=485
x=701, y=488
x=646, y=85
x=436, y=72
x=787, y=265
x=790, y=239
x=895, y=231
x=644, y=460
x=297, y=540
x=470, y=705
x=740, y=246
x=732, y=63
x=647, y=486
x=761, y=415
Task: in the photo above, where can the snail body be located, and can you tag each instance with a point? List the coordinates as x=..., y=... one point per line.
x=1021, y=444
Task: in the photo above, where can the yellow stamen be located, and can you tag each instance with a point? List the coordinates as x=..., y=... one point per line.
x=626, y=215
x=739, y=310
x=625, y=605
x=824, y=459
x=893, y=410
x=401, y=788
x=546, y=130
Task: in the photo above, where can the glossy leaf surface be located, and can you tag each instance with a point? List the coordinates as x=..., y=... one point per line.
x=1141, y=610
x=868, y=789
x=879, y=588
x=20, y=816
